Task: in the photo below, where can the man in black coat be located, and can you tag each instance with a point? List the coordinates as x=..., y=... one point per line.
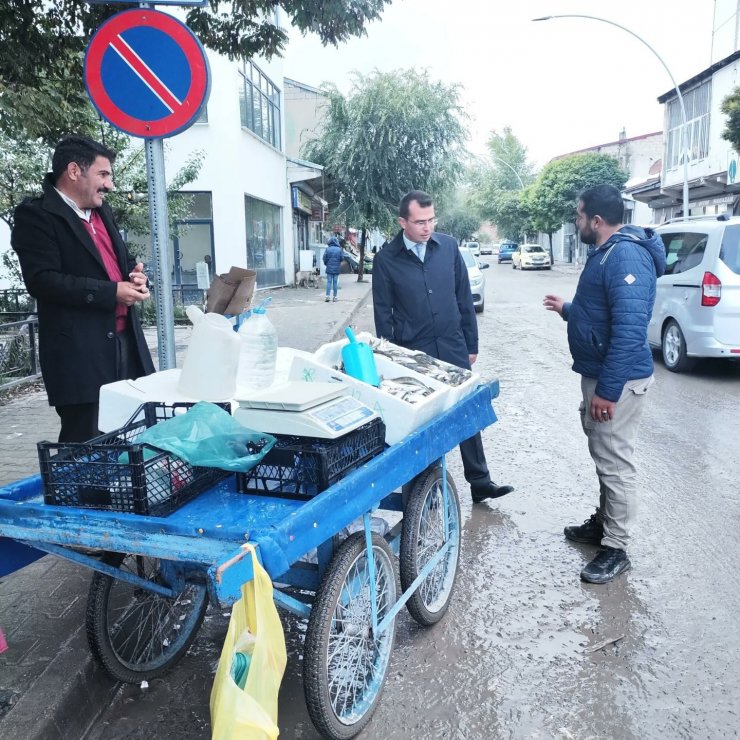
x=422, y=300
x=77, y=267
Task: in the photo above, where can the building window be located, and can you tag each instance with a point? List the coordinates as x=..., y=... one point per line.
x=259, y=104
x=697, y=117
x=264, y=241
x=191, y=239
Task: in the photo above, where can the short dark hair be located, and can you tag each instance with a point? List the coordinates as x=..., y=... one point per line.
x=605, y=201
x=422, y=198
x=78, y=149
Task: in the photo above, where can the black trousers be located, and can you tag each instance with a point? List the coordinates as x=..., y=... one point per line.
x=80, y=420
x=474, y=462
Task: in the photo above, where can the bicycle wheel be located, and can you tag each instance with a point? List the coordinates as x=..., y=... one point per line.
x=136, y=634
x=425, y=530
x=345, y=663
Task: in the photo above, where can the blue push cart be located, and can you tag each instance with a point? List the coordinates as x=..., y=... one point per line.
x=151, y=587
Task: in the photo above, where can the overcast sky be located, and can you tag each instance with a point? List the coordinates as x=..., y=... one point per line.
x=561, y=85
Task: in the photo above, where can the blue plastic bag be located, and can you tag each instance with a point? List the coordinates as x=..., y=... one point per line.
x=208, y=436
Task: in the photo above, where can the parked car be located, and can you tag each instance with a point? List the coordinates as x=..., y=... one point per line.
x=486, y=248
x=476, y=277
x=505, y=250
x=350, y=263
x=530, y=257
x=697, y=303
x=474, y=247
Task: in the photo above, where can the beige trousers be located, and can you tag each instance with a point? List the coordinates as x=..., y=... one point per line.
x=612, y=445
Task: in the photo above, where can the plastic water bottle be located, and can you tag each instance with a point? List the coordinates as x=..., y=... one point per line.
x=258, y=353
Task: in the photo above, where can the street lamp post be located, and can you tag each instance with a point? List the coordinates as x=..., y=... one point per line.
x=684, y=131
x=506, y=164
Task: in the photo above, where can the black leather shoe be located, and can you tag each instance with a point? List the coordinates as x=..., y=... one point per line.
x=590, y=532
x=608, y=564
x=480, y=494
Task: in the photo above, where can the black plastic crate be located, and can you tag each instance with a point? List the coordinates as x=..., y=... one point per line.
x=301, y=467
x=114, y=472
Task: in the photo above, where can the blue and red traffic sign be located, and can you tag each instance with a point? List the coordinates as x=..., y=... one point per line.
x=147, y=73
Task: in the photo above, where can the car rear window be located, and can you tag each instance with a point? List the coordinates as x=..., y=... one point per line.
x=468, y=258
x=683, y=250
x=729, y=252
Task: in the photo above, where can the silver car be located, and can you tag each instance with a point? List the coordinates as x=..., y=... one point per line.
x=476, y=277
x=697, y=304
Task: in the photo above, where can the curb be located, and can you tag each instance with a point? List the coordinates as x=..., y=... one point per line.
x=83, y=691
x=359, y=305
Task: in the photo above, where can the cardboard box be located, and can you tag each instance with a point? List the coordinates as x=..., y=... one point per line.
x=232, y=292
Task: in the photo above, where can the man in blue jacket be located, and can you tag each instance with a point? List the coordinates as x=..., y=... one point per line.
x=422, y=300
x=607, y=336
x=333, y=256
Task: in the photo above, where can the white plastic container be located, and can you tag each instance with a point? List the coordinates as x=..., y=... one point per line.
x=209, y=370
x=331, y=354
x=258, y=353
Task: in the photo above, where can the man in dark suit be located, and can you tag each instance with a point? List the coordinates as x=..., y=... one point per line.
x=77, y=267
x=422, y=300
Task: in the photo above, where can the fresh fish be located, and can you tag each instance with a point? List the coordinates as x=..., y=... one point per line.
x=420, y=362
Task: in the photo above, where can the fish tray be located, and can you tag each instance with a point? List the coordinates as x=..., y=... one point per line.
x=114, y=472
x=400, y=417
x=301, y=467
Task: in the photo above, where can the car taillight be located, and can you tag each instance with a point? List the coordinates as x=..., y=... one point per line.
x=711, y=290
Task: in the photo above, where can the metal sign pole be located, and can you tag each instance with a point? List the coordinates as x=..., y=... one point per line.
x=159, y=223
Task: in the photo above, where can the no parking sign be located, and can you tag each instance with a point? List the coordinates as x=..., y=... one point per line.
x=147, y=74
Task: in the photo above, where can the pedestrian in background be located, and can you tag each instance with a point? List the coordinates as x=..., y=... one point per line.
x=333, y=256
x=607, y=336
x=84, y=280
x=422, y=300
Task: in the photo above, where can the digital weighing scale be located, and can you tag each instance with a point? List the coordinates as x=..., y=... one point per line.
x=324, y=410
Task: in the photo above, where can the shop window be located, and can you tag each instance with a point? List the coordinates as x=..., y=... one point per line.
x=264, y=241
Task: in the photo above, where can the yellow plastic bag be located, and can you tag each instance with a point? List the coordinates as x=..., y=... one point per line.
x=250, y=713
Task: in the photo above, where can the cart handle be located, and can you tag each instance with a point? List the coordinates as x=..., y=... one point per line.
x=245, y=548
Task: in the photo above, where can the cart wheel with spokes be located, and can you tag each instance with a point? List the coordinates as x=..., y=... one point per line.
x=345, y=663
x=427, y=526
x=137, y=634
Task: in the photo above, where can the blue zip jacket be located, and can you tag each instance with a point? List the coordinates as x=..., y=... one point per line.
x=333, y=256
x=609, y=315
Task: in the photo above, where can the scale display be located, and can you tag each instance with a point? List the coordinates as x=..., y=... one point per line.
x=300, y=409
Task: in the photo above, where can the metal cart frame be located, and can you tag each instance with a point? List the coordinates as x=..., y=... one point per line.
x=170, y=567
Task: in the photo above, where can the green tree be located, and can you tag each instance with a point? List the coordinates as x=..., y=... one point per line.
x=498, y=182
x=512, y=218
x=396, y=131
x=509, y=168
x=42, y=45
x=731, y=108
x=459, y=222
x=554, y=196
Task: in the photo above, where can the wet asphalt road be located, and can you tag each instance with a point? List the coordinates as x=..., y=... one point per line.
x=515, y=657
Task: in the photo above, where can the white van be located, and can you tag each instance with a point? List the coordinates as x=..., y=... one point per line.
x=697, y=304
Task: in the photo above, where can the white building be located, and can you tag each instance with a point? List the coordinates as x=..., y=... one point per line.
x=241, y=213
x=712, y=171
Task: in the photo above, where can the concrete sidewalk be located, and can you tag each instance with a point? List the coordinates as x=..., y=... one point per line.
x=49, y=685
